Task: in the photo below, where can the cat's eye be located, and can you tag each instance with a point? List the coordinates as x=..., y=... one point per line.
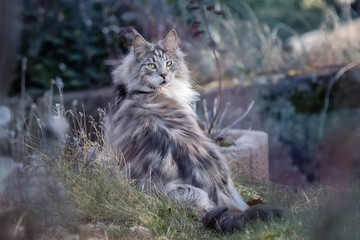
x=168, y=63
x=151, y=65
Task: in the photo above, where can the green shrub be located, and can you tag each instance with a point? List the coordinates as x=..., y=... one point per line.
x=59, y=39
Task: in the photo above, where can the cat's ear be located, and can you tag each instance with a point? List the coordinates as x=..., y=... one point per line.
x=170, y=41
x=140, y=46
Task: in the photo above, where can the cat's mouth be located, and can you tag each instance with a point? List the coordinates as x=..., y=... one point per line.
x=163, y=83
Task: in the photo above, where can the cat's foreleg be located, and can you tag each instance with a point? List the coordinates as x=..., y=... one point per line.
x=240, y=203
x=196, y=199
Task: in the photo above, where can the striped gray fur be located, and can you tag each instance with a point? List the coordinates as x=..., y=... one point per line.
x=154, y=128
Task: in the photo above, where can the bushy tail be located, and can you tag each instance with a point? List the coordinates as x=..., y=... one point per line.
x=227, y=220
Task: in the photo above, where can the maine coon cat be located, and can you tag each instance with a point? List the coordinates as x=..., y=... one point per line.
x=154, y=128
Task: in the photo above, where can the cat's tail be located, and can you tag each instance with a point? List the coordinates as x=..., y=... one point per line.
x=224, y=220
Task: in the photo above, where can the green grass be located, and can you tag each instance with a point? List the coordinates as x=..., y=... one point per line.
x=109, y=199
x=112, y=200
x=103, y=197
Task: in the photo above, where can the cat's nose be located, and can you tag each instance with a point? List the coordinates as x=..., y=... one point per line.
x=163, y=75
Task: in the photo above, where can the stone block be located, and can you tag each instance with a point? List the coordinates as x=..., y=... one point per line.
x=249, y=155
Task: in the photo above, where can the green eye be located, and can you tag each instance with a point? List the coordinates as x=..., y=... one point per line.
x=151, y=65
x=168, y=63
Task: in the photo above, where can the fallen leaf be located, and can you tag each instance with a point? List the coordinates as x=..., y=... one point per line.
x=255, y=202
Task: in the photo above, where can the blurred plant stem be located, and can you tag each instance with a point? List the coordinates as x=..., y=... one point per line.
x=23, y=79
x=339, y=74
x=213, y=48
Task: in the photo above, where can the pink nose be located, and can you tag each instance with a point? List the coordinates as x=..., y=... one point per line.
x=163, y=75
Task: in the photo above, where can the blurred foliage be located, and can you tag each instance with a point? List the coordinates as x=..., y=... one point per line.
x=74, y=39
x=58, y=39
x=299, y=15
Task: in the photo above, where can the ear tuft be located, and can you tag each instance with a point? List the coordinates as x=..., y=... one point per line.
x=170, y=41
x=139, y=45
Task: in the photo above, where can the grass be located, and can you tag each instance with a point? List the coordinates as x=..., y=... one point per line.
x=109, y=199
x=104, y=198
x=115, y=202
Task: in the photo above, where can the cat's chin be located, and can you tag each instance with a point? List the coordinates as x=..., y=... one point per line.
x=164, y=85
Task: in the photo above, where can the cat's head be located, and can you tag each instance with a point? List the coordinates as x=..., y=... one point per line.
x=149, y=67
x=156, y=67
x=158, y=63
